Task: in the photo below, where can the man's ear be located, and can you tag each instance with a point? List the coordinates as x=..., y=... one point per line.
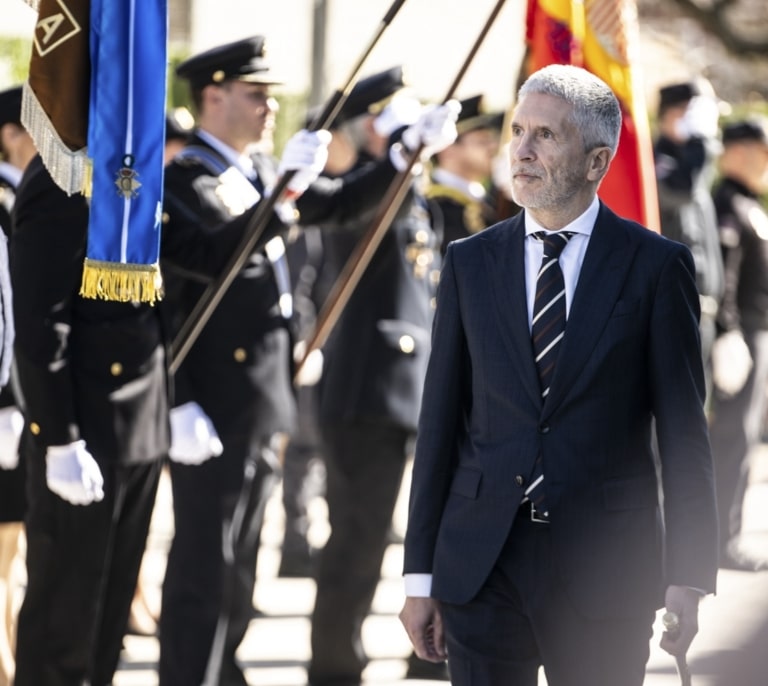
x=211, y=93
x=599, y=161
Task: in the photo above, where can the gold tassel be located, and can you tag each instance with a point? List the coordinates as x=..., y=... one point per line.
x=87, y=188
x=121, y=282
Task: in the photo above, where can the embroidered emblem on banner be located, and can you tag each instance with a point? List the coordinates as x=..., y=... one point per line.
x=55, y=29
x=127, y=179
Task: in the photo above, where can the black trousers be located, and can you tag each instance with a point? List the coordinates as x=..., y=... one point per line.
x=200, y=585
x=82, y=566
x=364, y=469
x=300, y=479
x=735, y=430
x=522, y=619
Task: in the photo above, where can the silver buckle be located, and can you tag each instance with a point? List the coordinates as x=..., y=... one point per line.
x=537, y=516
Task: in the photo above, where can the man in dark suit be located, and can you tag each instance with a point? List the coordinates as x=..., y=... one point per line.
x=535, y=532
x=238, y=373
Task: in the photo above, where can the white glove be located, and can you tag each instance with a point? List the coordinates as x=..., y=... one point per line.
x=312, y=369
x=435, y=128
x=402, y=110
x=700, y=119
x=193, y=436
x=11, y=424
x=731, y=362
x=73, y=474
x=306, y=153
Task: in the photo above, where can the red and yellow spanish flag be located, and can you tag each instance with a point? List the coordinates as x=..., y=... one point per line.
x=600, y=35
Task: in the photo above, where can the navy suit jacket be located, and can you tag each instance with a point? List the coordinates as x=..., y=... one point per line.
x=630, y=354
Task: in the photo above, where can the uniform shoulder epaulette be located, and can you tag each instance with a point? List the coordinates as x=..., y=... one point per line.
x=438, y=190
x=193, y=155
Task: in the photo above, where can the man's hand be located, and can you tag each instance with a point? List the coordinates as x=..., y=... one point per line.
x=305, y=153
x=435, y=128
x=731, y=362
x=683, y=602
x=73, y=474
x=424, y=624
x=402, y=110
x=193, y=436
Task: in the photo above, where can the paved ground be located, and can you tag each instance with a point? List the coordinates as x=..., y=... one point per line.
x=730, y=650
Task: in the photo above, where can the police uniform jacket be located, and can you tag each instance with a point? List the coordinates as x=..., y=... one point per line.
x=744, y=241
x=457, y=214
x=376, y=356
x=687, y=214
x=88, y=368
x=242, y=359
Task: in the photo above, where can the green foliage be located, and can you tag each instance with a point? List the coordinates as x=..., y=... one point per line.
x=14, y=60
x=178, y=93
x=290, y=118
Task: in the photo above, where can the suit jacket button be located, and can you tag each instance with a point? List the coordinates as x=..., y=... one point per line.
x=519, y=480
x=543, y=428
x=116, y=369
x=240, y=355
x=34, y=428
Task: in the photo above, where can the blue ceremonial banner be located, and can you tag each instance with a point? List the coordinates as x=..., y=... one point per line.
x=126, y=129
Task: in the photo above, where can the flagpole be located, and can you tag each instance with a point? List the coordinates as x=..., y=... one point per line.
x=360, y=258
x=213, y=294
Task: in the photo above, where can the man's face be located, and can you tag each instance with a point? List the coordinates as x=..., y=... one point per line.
x=758, y=166
x=247, y=112
x=549, y=163
x=478, y=149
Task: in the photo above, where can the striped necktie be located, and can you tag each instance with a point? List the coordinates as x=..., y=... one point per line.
x=547, y=330
x=548, y=324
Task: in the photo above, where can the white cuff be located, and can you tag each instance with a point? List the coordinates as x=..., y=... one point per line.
x=418, y=585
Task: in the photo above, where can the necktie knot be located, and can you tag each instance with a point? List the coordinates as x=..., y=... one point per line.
x=554, y=243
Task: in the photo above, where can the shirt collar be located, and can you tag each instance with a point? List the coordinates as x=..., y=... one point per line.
x=242, y=162
x=583, y=224
x=473, y=189
x=10, y=173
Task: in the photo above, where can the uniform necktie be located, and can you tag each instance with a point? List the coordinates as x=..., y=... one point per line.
x=547, y=330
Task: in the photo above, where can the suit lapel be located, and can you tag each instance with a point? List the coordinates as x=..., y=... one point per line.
x=505, y=258
x=602, y=276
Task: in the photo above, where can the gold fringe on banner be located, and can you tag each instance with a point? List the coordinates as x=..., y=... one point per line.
x=121, y=282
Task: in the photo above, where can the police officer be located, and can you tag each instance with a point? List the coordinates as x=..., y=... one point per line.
x=459, y=200
x=238, y=374
x=740, y=353
x=685, y=154
x=374, y=365
x=16, y=150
